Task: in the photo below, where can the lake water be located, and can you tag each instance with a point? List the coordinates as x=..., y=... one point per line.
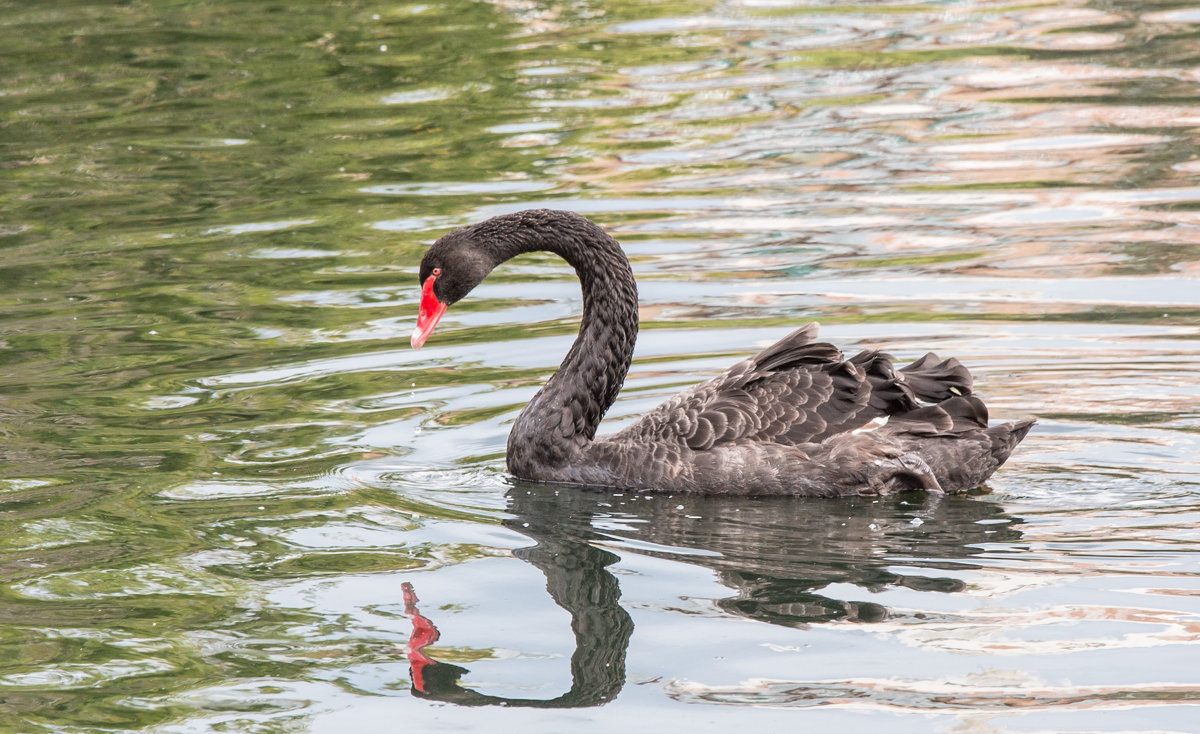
x=230, y=491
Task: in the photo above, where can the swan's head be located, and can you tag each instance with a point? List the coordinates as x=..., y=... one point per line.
x=457, y=262
x=451, y=269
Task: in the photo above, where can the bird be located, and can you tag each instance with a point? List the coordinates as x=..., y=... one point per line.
x=796, y=419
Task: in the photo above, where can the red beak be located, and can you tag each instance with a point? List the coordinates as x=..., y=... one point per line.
x=430, y=312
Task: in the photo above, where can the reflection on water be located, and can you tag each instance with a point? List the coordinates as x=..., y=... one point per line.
x=578, y=581
x=776, y=554
x=220, y=463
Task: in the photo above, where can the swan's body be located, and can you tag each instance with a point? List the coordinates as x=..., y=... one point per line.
x=796, y=419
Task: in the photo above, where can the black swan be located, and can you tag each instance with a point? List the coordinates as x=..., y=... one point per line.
x=798, y=418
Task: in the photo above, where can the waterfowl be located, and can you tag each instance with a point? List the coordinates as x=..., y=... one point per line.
x=798, y=418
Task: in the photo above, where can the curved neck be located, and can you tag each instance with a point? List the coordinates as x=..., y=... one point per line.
x=563, y=416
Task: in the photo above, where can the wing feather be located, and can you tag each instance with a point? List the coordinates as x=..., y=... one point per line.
x=799, y=390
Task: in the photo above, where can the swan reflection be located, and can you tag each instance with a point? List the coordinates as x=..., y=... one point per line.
x=776, y=555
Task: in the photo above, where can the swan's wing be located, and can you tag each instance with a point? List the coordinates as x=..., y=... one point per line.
x=797, y=391
x=789, y=393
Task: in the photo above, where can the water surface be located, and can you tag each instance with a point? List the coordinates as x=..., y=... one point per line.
x=230, y=492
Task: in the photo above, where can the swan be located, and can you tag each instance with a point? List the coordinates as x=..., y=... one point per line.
x=798, y=418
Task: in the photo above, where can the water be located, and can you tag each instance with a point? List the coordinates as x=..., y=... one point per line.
x=221, y=463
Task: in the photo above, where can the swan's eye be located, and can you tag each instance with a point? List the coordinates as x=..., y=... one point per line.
x=436, y=272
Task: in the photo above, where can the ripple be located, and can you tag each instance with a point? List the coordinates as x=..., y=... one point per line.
x=990, y=691
x=430, y=94
x=67, y=676
x=1182, y=15
x=150, y=579
x=447, y=188
x=255, y=227
x=1041, y=143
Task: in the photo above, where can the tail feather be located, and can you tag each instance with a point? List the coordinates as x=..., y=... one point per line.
x=890, y=393
x=934, y=381
x=1006, y=436
x=951, y=417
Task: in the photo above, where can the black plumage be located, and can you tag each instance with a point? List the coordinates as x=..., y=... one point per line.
x=798, y=418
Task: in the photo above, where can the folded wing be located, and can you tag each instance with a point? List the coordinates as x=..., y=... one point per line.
x=798, y=391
